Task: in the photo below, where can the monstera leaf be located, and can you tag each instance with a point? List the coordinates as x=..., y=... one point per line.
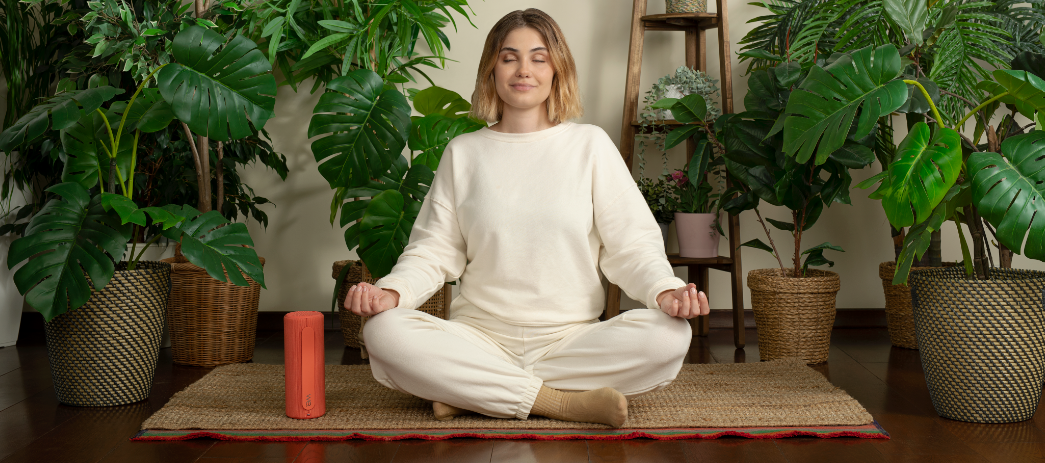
x=922, y=172
x=362, y=124
x=70, y=236
x=386, y=228
x=430, y=135
x=820, y=113
x=218, y=246
x=1008, y=192
x=84, y=152
x=217, y=92
x=438, y=100
x=411, y=181
x=63, y=110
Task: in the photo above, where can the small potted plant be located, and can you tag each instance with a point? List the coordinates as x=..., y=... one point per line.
x=686, y=6
x=659, y=195
x=654, y=119
x=697, y=209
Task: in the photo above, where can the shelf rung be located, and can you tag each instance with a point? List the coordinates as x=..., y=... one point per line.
x=680, y=21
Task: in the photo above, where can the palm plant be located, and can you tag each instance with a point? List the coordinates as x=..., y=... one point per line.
x=83, y=231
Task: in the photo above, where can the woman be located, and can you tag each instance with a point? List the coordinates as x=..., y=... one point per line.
x=526, y=213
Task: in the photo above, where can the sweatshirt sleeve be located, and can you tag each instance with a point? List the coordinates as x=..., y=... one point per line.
x=435, y=253
x=632, y=254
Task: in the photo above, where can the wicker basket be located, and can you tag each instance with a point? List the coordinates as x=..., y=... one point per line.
x=211, y=322
x=982, y=342
x=352, y=324
x=686, y=6
x=898, y=312
x=793, y=316
x=105, y=353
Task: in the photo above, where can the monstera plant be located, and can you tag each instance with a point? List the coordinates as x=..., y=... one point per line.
x=218, y=90
x=366, y=126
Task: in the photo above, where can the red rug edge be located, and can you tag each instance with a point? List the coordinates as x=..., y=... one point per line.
x=882, y=434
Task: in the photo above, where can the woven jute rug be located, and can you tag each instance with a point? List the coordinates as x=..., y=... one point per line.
x=763, y=400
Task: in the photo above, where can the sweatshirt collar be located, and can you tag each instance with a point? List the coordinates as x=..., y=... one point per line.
x=525, y=137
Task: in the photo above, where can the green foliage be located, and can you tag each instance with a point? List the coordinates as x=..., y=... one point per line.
x=364, y=126
x=1008, y=192
x=70, y=237
x=821, y=111
x=925, y=167
x=657, y=194
x=755, y=157
x=214, y=89
x=687, y=82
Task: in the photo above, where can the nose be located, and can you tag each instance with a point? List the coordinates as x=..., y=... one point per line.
x=524, y=69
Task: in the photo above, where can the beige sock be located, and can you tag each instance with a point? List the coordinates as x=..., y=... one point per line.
x=605, y=405
x=444, y=412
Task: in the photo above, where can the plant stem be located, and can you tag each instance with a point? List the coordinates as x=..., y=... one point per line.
x=936, y=113
x=966, y=257
x=134, y=244
x=150, y=243
x=981, y=106
x=134, y=163
x=127, y=110
x=773, y=245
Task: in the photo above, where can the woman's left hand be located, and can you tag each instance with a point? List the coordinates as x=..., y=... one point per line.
x=685, y=302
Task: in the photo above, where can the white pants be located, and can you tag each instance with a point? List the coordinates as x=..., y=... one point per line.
x=493, y=368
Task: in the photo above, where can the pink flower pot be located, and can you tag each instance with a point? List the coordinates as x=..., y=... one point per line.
x=697, y=235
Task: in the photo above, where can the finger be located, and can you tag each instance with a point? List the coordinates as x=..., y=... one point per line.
x=684, y=305
x=365, y=300
x=705, y=307
x=674, y=308
x=353, y=299
x=694, y=304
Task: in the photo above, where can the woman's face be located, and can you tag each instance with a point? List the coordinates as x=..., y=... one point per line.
x=523, y=74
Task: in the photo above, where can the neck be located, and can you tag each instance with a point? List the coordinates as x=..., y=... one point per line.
x=516, y=120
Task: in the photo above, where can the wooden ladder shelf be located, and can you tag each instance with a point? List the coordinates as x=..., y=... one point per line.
x=695, y=25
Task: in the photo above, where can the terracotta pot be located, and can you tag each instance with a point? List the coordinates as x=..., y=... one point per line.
x=697, y=235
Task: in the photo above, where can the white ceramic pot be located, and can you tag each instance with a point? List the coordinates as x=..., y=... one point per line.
x=697, y=235
x=672, y=91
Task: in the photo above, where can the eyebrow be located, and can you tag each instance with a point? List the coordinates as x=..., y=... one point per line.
x=516, y=51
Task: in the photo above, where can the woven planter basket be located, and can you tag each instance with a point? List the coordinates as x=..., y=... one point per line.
x=352, y=324
x=686, y=6
x=982, y=342
x=898, y=312
x=211, y=322
x=105, y=353
x=793, y=316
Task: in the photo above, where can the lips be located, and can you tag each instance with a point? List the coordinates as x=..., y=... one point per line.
x=522, y=87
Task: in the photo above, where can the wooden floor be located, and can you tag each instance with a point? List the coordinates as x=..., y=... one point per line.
x=886, y=380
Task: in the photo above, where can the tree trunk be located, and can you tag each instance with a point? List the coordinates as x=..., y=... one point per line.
x=203, y=145
x=936, y=249
x=1005, y=256
x=220, y=180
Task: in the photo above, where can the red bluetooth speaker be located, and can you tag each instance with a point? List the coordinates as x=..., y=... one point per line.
x=303, y=357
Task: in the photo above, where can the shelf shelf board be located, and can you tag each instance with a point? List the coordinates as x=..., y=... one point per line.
x=674, y=259
x=680, y=21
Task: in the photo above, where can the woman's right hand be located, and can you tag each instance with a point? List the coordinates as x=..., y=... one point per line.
x=365, y=299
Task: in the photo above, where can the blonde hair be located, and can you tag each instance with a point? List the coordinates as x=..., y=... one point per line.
x=564, y=102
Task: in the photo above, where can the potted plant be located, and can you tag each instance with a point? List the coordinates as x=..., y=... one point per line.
x=104, y=342
x=945, y=47
x=656, y=120
x=795, y=306
x=967, y=317
x=695, y=201
x=657, y=194
x=211, y=322
x=686, y=6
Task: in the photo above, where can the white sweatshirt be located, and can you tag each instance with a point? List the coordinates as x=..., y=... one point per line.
x=526, y=221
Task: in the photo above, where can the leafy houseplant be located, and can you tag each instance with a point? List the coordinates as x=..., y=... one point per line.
x=795, y=306
x=75, y=241
x=935, y=178
x=684, y=81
